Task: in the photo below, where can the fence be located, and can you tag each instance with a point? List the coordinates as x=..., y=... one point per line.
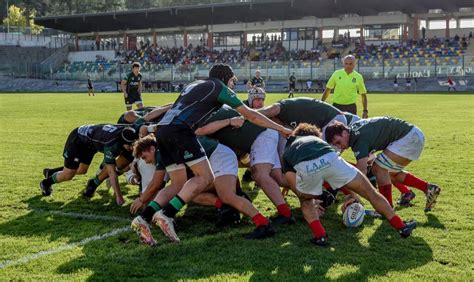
x=275, y=71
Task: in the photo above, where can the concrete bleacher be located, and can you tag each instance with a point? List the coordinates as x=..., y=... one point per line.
x=18, y=55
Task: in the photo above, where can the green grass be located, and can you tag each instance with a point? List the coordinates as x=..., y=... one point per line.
x=34, y=127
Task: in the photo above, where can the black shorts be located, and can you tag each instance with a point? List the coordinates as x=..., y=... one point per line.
x=351, y=108
x=90, y=87
x=178, y=145
x=133, y=99
x=76, y=152
x=292, y=86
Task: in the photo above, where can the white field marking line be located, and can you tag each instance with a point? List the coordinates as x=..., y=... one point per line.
x=63, y=248
x=83, y=215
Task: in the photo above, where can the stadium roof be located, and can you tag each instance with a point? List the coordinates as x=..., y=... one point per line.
x=224, y=13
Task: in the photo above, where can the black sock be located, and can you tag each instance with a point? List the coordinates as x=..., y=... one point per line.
x=50, y=180
x=173, y=206
x=53, y=170
x=152, y=208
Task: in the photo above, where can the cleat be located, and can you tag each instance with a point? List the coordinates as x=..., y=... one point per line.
x=322, y=242
x=227, y=215
x=46, y=190
x=431, y=195
x=261, y=232
x=408, y=229
x=46, y=172
x=90, y=189
x=406, y=198
x=280, y=219
x=142, y=228
x=166, y=225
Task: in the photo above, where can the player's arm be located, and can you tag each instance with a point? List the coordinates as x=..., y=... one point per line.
x=218, y=125
x=140, y=87
x=363, y=94
x=270, y=111
x=157, y=113
x=362, y=165
x=123, y=85
x=263, y=84
x=115, y=184
x=147, y=196
x=329, y=87
x=261, y=120
x=110, y=154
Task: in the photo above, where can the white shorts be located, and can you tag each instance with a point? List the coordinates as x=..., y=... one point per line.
x=311, y=174
x=395, y=85
x=408, y=84
x=264, y=149
x=281, y=145
x=224, y=161
x=410, y=145
x=339, y=117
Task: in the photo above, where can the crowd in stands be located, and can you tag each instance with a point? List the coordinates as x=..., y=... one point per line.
x=269, y=51
x=429, y=47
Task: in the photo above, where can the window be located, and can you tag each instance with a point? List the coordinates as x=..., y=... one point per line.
x=453, y=23
x=466, y=23
x=422, y=24
x=438, y=24
x=328, y=33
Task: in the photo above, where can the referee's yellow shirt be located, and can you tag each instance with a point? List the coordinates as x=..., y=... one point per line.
x=346, y=86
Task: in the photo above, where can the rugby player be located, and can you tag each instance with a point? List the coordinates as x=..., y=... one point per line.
x=132, y=87
x=291, y=112
x=291, y=85
x=256, y=81
x=224, y=165
x=90, y=86
x=261, y=144
x=81, y=146
x=400, y=143
x=308, y=161
x=141, y=124
x=179, y=146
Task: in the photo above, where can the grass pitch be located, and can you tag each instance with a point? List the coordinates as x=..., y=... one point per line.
x=66, y=237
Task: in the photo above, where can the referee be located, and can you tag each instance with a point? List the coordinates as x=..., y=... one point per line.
x=347, y=83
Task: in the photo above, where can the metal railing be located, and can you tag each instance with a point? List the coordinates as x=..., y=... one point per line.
x=272, y=71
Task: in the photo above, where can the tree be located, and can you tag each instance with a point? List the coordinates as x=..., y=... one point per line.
x=22, y=18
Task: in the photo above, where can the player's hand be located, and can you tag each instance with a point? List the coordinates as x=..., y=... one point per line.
x=286, y=132
x=125, y=95
x=284, y=192
x=119, y=200
x=319, y=208
x=365, y=114
x=136, y=206
x=348, y=200
x=237, y=122
x=143, y=131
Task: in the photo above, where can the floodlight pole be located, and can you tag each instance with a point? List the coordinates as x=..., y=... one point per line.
x=8, y=21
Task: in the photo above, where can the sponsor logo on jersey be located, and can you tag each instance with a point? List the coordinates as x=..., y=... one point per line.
x=187, y=155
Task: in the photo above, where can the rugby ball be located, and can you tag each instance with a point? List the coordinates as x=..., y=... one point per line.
x=353, y=215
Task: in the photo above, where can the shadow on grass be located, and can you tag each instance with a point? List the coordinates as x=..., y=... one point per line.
x=209, y=253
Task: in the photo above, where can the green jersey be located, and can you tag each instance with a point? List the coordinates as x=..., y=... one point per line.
x=140, y=112
x=375, y=134
x=236, y=138
x=298, y=110
x=303, y=148
x=208, y=144
x=133, y=83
